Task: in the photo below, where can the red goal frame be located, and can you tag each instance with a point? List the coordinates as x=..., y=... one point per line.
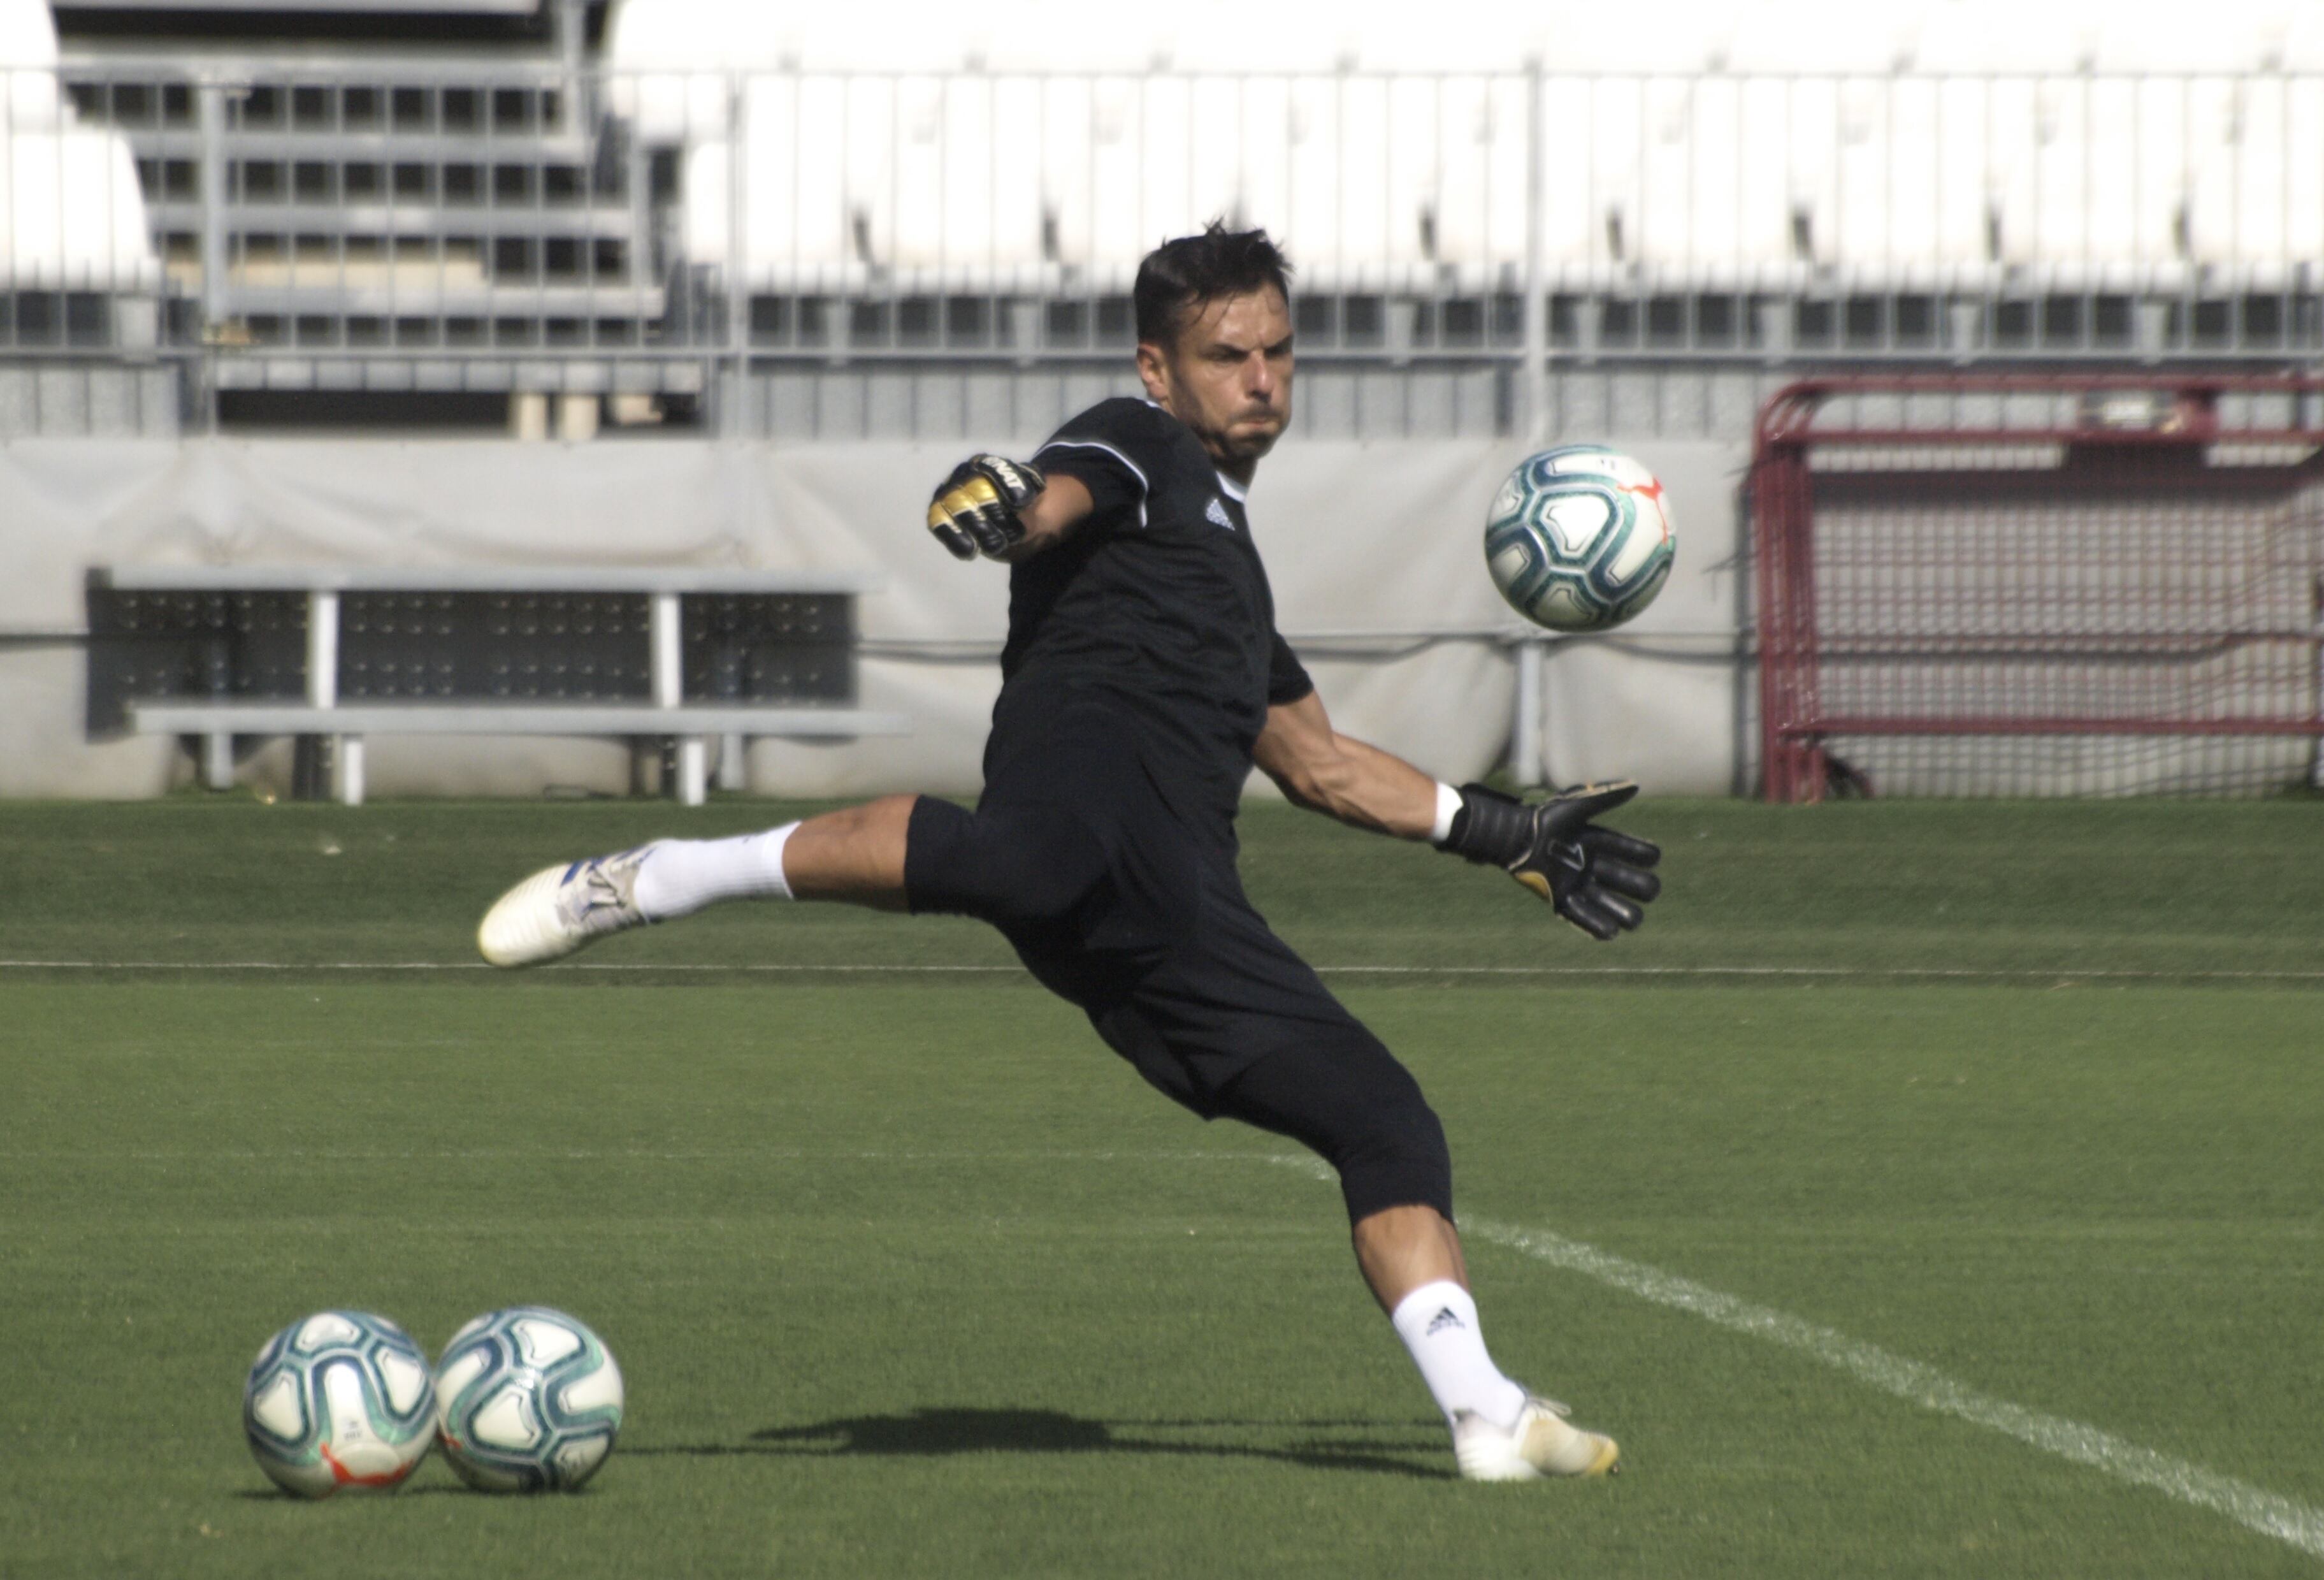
x=1836, y=660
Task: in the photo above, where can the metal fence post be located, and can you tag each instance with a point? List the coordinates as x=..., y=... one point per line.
x=211, y=99
x=1524, y=729
x=737, y=291
x=2316, y=762
x=1535, y=320
x=569, y=20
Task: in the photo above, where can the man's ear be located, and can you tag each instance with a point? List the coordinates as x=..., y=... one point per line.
x=1154, y=372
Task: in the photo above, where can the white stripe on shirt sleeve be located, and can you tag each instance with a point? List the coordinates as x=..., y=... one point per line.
x=1144, y=486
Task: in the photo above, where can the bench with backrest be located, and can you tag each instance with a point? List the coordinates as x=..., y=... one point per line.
x=332, y=656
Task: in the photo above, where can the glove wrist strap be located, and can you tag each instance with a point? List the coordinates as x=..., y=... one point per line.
x=1489, y=827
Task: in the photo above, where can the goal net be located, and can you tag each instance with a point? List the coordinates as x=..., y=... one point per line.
x=2038, y=584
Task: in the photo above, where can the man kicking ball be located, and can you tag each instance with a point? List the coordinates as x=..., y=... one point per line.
x=1142, y=679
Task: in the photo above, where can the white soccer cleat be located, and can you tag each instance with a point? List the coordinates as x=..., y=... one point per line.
x=559, y=909
x=1540, y=1444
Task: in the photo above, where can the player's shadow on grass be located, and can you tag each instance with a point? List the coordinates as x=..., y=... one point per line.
x=423, y=1490
x=925, y=1433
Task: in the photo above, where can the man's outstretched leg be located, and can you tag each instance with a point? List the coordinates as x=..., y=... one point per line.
x=1346, y=1097
x=854, y=855
x=1411, y=1258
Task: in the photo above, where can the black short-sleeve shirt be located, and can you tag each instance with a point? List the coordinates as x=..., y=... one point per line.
x=1158, y=598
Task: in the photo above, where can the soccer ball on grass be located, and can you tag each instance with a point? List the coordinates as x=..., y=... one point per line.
x=1579, y=538
x=527, y=1399
x=340, y=1398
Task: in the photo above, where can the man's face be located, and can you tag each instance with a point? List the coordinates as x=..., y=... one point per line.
x=1228, y=377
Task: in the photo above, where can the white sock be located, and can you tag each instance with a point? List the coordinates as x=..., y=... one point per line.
x=679, y=876
x=1438, y=1324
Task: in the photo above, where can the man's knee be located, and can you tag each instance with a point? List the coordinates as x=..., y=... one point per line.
x=1398, y=1158
x=1346, y=1096
x=1010, y=865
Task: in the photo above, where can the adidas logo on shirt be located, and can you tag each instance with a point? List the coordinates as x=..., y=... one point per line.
x=1216, y=514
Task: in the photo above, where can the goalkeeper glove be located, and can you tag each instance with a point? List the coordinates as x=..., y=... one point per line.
x=1596, y=878
x=974, y=511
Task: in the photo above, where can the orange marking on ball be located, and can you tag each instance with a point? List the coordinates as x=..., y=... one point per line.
x=347, y=1478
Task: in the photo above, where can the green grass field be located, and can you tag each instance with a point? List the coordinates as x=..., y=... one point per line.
x=909, y=1276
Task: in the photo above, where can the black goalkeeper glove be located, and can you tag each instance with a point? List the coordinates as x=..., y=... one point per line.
x=1598, y=879
x=974, y=511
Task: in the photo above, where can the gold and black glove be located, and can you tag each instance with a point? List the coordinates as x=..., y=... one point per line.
x=974, y=511
x=1598, y=879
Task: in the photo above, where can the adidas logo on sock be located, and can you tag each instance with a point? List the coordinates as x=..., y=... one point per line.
x=1216, y=514
x=1443, y=1319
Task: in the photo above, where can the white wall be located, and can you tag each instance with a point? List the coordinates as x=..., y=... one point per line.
x=1368, y=544
x=1661, y=701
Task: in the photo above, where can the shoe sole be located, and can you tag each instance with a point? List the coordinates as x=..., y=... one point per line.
x=1605, y=1462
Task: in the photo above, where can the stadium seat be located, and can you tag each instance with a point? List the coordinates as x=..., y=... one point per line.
x=1589, y=209
x=2303, y=172
x=2251, y=147
x=29, y=98
x=1890, y=217
x=1317, y=194
x=1479, y=205
x=908, y=185
x=75, y=215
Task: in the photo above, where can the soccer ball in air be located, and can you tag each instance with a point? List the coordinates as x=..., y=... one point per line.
x=527, y=1399
x=1579, y=538
x=340, y=1398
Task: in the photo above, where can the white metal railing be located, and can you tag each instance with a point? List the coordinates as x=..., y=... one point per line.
x=403, y=204
x=857, y=180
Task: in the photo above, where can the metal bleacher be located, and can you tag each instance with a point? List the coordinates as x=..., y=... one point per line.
x=809, y=222
x=390, y=220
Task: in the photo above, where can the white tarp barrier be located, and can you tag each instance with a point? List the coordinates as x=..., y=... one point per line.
x=1372, y=549
x=1670, y=699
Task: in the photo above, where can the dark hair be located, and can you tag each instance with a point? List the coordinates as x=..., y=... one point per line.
x=1177, y=278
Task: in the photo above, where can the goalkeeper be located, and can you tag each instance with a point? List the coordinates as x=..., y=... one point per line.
x=1142, y=678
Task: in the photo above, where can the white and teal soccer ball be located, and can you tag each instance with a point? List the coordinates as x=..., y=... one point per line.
x=527, y=1399
x=340, y=1398
x=1579, y=538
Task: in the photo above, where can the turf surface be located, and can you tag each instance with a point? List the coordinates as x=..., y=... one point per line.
x=909, y=1276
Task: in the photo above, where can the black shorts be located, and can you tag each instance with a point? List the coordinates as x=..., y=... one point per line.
x=1115, y=902
x=1118, y=904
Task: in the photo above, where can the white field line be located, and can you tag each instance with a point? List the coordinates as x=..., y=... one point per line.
x=2293, y=1523
x=304, y=1155
x=1779, y=973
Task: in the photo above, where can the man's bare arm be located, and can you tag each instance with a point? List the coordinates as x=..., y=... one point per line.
x=1341, y=777
x=1051, y=517
x=1598, y=879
